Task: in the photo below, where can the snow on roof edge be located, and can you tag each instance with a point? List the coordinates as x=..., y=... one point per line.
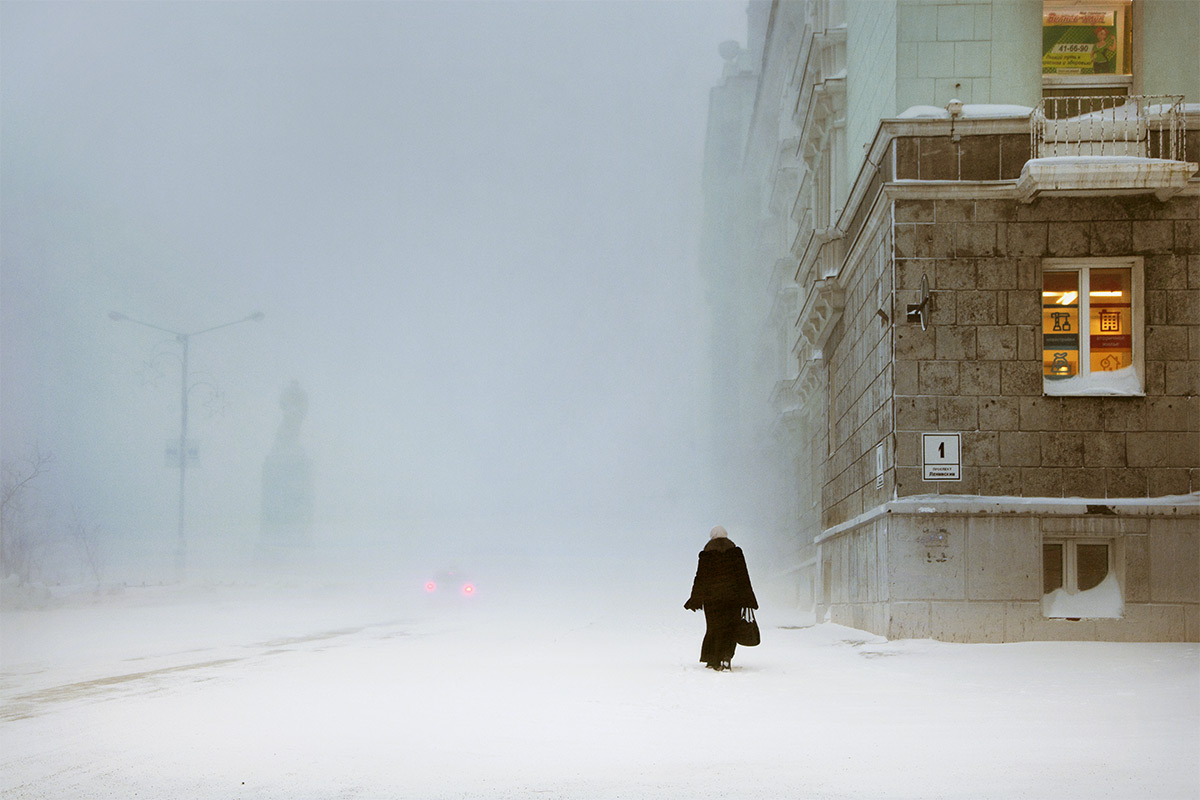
x=970, y=111
x=1184, y=505
x=1009, y=110
x=1187, y=501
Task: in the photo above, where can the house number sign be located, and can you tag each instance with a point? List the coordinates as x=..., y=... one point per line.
x=941, y=456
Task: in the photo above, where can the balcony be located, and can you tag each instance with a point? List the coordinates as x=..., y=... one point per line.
x=1107, y=145
x=1145, y=126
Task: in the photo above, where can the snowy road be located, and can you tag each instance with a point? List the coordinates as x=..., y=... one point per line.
x=244, y=692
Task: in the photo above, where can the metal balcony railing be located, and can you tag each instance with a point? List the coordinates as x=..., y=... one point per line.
x=1145, y=126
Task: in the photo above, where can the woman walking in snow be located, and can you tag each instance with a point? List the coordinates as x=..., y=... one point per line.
x=722, y=588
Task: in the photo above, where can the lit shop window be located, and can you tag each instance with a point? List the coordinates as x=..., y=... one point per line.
x=1079, y=580
x=1091, y=319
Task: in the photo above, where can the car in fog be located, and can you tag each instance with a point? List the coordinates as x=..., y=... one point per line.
x=448, y=584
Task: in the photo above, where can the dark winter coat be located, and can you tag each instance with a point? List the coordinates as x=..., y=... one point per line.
x=722, y=579
x=722, y=588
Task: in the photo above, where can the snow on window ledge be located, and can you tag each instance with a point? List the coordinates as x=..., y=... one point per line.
x=1118, y=383
x=1100, y=602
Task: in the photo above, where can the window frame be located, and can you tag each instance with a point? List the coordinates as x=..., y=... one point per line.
x=1092, y=383
x=1070, y=566
x=1070, y=560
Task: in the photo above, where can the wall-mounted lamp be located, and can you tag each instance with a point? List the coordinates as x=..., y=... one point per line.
x=955, y=109
x=919, y=312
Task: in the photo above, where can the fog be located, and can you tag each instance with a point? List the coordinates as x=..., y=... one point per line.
x=472, y=229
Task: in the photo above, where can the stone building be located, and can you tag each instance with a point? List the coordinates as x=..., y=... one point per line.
x=954, y=260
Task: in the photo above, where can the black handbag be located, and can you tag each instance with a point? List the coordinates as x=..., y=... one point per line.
x=747, y=629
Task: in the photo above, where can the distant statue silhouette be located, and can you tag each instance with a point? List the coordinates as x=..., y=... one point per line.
x=293, y=402
x=287, y=495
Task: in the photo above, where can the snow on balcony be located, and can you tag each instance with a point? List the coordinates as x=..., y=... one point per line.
x=1107, y=145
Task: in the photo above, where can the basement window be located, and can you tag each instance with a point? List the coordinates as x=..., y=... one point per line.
x=1079, y=579
x=1092, y=327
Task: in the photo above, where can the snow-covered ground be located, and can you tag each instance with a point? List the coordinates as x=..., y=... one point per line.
x=550, y=685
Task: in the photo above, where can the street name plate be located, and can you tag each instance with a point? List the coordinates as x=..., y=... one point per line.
x=171, y=453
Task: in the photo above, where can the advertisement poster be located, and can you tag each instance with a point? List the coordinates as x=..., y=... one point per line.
x=1080, y=42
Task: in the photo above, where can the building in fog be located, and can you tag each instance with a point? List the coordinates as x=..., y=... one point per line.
x=953, y=252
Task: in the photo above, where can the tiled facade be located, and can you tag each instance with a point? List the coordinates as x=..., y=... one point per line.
x=960, y=49
x=838, y=383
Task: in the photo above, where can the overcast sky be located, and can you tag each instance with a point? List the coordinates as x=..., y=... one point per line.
x=472, y=228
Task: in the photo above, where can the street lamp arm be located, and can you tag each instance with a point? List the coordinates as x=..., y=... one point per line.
x=257, y=316
x=117, y=316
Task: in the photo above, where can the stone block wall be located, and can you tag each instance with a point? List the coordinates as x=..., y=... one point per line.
x=976, y=370
x=977, y=578
x=855, y=577
x=986, y=157
x=859, y=356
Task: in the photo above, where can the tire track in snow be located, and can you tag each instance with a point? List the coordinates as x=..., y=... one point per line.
x=27, y=706
x=34, y=704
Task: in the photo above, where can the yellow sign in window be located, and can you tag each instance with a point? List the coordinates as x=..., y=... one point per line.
x=1060, y=324
x=1110, y=315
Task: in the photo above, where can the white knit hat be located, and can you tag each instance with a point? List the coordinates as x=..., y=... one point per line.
x=718, y=533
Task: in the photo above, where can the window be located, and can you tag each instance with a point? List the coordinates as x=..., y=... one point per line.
x=1079, y=579
x=1075, y=566
x=1091, y=327
x=1086, y=47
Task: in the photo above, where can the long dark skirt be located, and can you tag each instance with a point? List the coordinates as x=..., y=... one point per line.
x=721, y=623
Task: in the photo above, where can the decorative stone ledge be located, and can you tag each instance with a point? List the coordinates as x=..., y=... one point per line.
x=785, y=188
x=783, y=273
x=1102, y=175
x=821, y=312
x=783, y=305
x=805, y=388
x=793, y=420
x=975, y=505
x=783, y=397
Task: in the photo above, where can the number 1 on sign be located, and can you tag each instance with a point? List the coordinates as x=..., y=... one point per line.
x=942, y=457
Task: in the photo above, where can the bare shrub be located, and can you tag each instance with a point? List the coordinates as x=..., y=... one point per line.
x=20, y=542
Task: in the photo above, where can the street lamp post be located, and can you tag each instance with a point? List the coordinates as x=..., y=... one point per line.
x=183, y=339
